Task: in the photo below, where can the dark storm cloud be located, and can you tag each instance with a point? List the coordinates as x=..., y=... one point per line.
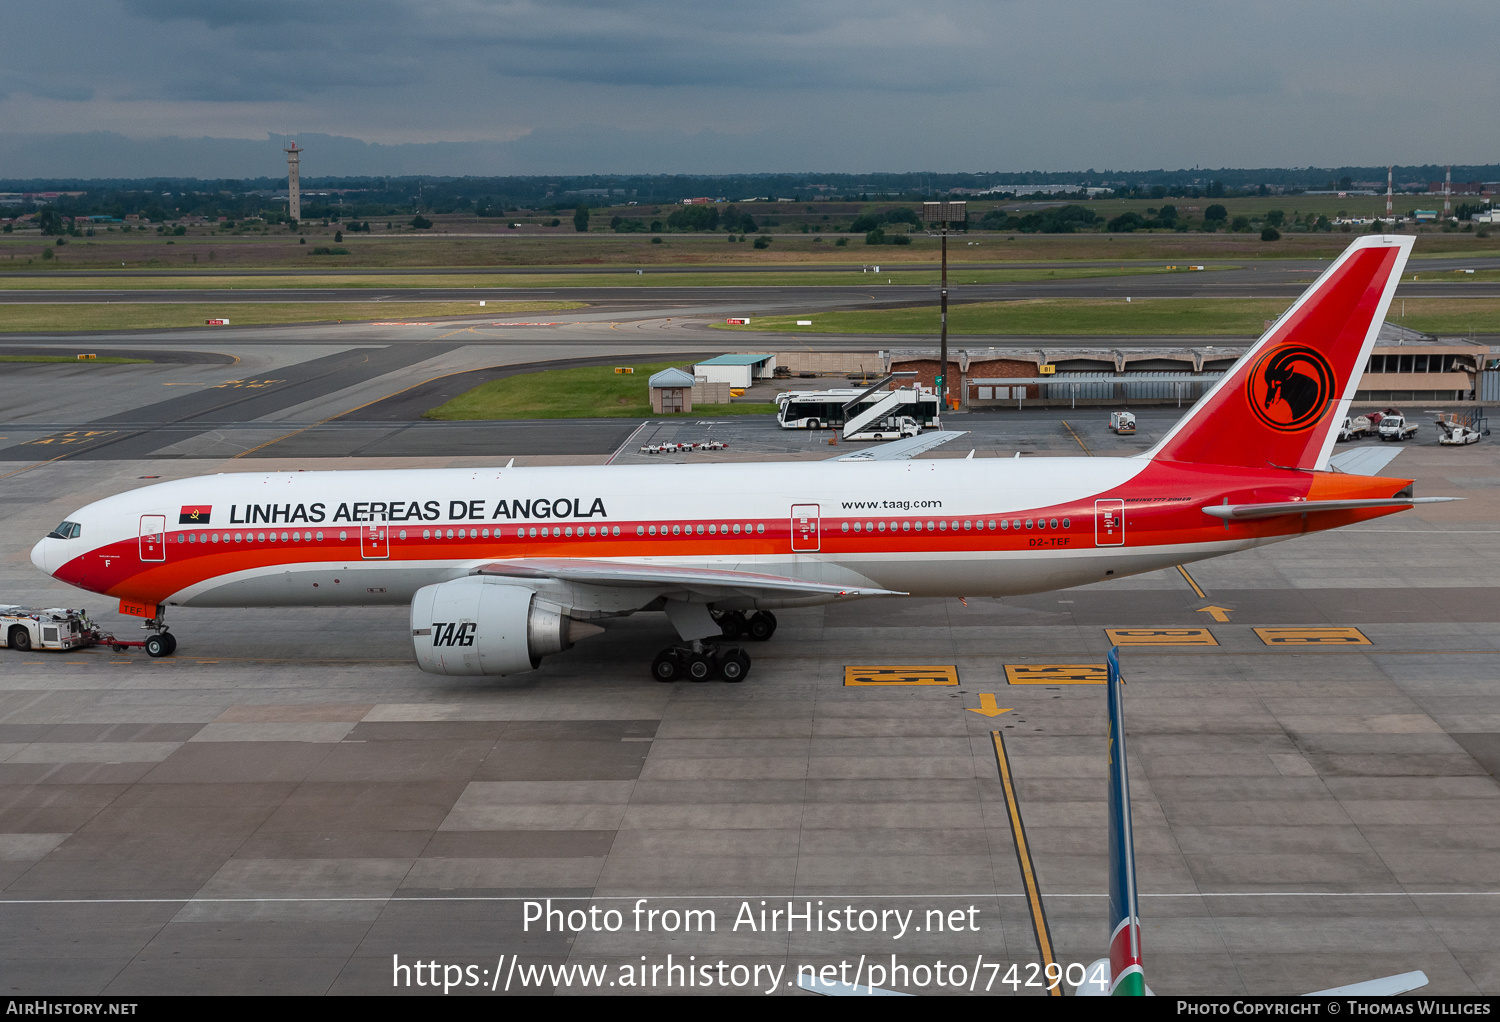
x=827, y=84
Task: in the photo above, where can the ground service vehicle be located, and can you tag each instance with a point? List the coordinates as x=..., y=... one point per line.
x=1122, y=423
x=26, y=628
x=1395, y=427
x=1455, y=433
x=892, y=427
x=1354, y=427
x=817, y=409
x=60, y=628
x=504, y=566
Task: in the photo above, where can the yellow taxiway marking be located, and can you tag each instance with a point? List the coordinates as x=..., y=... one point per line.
x=1160, y=637
x=1078, y=438
x=988, y=706
x=902, y=675
x=1193, y=582
x=72, y=436
x=1313, y=637
x=1023, y=856
x=1220, y=614
x=1055, y=674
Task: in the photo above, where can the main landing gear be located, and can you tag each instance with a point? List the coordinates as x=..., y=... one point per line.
x=705, y=660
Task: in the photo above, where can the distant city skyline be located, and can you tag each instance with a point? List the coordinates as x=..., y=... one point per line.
x=211, y=88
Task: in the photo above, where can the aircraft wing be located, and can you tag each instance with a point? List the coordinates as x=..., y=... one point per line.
x=900, y=450
x=1245, y=512
x=1364, y=461
x=1386, y=986
x=833, y=988
x=637, y=575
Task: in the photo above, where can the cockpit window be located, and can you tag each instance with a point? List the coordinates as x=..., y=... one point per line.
x=67, y=530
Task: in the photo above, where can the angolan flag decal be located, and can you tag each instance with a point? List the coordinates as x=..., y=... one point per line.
x=194, y=514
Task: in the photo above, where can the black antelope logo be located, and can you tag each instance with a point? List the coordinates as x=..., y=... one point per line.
x=1289, y=387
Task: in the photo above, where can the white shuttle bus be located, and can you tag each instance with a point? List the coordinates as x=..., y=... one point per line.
x=817, y=409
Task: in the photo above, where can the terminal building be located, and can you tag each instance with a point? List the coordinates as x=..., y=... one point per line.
x=1405, y=366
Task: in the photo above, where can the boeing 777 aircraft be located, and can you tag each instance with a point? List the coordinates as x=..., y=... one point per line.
x=504, y=566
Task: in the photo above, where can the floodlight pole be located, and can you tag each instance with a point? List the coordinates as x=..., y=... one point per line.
x=943, y=213
x=942, y=380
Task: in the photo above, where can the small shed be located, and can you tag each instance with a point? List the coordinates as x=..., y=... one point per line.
x=672, y=391
x=737, y=370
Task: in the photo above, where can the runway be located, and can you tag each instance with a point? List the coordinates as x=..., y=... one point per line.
x=1229, y=284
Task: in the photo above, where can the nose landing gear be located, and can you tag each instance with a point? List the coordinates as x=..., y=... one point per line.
x=162, y=643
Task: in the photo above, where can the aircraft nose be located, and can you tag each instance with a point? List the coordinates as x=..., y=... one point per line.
x=39, y=555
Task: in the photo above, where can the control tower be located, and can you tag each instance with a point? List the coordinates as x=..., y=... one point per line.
x=293, y=185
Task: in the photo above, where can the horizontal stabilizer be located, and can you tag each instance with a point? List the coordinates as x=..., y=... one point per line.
x=625, y=573
x=1248, y=512
x=901, y=450
x=1364, y=461
x=1386, y=986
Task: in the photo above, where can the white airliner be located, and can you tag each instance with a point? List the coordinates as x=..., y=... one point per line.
x=504, y=566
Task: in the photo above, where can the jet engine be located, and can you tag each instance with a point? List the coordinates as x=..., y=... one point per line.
x=485, y=626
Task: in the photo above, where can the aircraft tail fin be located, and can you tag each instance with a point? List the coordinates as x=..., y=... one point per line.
x=1126, y=974
x=1281, y=404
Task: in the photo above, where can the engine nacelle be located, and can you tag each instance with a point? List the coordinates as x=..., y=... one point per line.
x=485, y=626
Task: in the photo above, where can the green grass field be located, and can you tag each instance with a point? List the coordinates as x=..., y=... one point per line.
x=727, y=277
x=44, y=318
x=1107, y=317
x=458, y=242
x=588, y=393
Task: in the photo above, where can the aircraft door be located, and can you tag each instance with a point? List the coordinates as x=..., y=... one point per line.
x=1109, y=523
x=805, y=536
x=374, y=542
x=153, y=537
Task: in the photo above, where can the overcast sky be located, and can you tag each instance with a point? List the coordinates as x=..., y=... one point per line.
x=88, y=87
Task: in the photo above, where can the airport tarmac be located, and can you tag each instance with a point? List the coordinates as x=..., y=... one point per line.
x=307, y=393
x=288, y=805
